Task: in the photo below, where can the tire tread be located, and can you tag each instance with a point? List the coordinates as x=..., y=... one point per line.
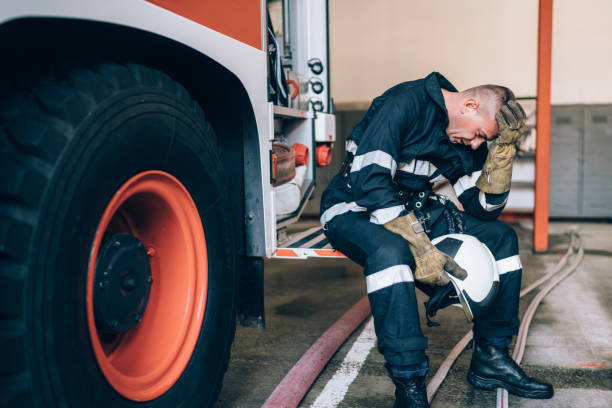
x=16, y=391
x=12, y=344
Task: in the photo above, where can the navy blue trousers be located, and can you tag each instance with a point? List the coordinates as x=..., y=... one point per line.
x=388, y=265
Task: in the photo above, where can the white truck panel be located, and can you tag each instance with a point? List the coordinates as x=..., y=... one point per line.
x=247, y=63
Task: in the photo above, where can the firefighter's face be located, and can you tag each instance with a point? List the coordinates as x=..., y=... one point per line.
x=470, y=125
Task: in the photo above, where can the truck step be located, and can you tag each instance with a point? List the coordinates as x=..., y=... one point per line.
x=311, y=243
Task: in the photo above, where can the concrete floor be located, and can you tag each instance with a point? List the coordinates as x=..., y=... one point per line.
x=569, y=343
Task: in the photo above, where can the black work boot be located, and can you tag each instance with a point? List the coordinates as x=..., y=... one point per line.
x=492, y=367
x=409, y=392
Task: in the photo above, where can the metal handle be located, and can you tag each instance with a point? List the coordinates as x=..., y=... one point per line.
x=316, y=84
x=317, y=104
x=316, y=65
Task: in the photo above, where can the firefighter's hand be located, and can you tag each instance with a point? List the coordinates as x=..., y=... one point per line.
x=497, y=170
x=432, y=265
x=511, y=122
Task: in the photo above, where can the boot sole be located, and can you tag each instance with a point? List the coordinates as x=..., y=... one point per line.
x=491, y=384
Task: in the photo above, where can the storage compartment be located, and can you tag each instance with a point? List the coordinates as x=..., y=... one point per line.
x=283, y=163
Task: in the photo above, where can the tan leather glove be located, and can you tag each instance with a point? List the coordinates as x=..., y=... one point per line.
x=431, y=264
x=497, y=170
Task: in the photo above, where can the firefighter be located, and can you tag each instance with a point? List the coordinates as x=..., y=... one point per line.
x=380, y=212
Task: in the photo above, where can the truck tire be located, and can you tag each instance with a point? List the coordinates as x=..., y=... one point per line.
x=117, y=254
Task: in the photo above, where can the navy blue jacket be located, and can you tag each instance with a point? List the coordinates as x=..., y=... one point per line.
x=401, y=146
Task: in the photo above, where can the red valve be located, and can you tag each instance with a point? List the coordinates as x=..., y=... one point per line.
x=296, y=88
x=301, y=154
x=323, y=155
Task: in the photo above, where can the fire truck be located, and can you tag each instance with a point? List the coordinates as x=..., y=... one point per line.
x=153, y=153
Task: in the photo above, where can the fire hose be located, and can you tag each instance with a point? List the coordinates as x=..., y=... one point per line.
x=296, y=383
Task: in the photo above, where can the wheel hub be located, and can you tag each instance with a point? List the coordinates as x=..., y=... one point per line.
x=143, y=363
x=122, y=283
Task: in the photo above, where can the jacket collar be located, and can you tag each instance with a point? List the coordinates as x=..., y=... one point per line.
x=434, y=83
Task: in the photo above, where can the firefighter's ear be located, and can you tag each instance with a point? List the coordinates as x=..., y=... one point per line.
x=470, y=105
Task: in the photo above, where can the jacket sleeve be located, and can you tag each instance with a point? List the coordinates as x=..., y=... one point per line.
x=376, y=158
x=485, y=206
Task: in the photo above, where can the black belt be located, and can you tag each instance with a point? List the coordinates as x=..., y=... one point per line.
x=415, y=201
x=418, y=203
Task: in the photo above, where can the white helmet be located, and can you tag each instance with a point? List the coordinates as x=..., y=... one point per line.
x=478, y=289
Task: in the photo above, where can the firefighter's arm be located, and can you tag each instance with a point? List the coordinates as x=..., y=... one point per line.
x=497, y=170
x=485, y=206
x=484, y=193
x=375, y=162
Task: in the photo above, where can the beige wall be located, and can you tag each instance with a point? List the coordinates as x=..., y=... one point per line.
x=582, y=51
x=376, y=44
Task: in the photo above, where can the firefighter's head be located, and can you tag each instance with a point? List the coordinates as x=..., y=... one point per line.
x=471, y=113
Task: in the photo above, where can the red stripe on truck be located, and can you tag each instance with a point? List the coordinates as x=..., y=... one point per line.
x=286, y=252
x=329, y=252
x=239, y=19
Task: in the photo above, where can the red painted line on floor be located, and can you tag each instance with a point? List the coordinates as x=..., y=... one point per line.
x=300, y=378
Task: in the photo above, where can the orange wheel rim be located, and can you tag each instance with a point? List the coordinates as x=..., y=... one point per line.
x=144, y=362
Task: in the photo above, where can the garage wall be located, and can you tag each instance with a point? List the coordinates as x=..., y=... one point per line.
x=376, y=44
x=582, y=52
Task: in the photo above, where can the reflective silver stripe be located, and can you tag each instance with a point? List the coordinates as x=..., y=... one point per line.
x=439, y=177
x=338, y=209
x=512, y=263
x=387, y=277
x=351, y=146
x=384, y=215
x=407, y=167
x=421, y=167
x=466, y=182
x=376, y=157
x=418, y=167
x=489, y=207
x=426, y=167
